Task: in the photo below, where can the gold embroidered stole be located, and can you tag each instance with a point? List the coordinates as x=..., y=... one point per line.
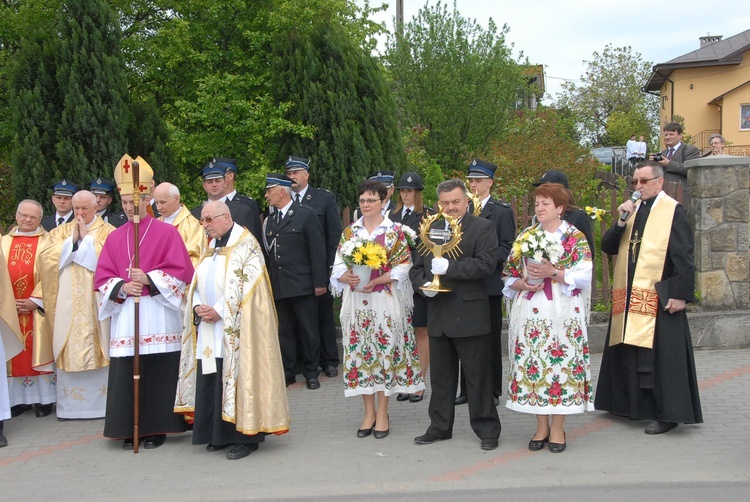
x=644, y=301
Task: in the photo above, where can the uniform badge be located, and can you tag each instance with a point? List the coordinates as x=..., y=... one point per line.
x=290, y=212
x=408, y=179
x=98, y=181
x=63, y=182
x=307, y=197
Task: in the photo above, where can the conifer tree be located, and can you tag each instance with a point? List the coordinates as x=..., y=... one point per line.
x=341, y=92
x=69, y=95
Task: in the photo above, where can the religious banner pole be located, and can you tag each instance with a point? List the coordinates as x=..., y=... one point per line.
x=136, y=313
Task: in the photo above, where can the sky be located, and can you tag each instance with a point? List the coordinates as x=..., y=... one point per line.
x=561, y=34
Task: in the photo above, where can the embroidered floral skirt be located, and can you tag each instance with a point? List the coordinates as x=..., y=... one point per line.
x=550, y=369
x=380, y=352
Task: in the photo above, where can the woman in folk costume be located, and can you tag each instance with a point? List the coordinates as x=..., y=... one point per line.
x=380, y=355
x=231, y=382
x=550, y=373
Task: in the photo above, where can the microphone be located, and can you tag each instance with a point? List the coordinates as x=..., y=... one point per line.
x=633, y=198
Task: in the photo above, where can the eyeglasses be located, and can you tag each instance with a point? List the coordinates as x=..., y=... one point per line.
x=210, y=219
x=362, y=202
x=27, y=216
x=642, y=181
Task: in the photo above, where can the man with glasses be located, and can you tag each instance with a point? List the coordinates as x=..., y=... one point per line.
x=648, y=370
x=295, y=247
x=21, y=248
x=231, y=375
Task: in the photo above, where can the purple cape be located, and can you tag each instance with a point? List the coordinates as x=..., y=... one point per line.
x=160, y=248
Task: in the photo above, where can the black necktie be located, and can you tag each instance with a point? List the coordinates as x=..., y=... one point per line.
x=60, y=221
x=406, y=214
x=296, y=198
x=278, y=217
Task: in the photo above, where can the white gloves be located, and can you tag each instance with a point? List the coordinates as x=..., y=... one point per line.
x=439, y=266
x=428, y=294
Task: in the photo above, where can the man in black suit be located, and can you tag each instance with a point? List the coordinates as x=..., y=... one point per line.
x=481, y=175
x=294, y=245
x=459, y=322
x=104, y=190
x=231, y=194
x=215, y=185
x=674, y=156
x=62, y=198
x=324, y=204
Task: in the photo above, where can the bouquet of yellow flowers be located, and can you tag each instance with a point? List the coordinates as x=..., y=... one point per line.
x=358, y=251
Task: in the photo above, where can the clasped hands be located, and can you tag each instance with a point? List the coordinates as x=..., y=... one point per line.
x=207, y=313
x=352, y=280
x=25, y=306
x=535, y=271
x=138, y=279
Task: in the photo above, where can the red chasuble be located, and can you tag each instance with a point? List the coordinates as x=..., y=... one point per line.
x=21, y=259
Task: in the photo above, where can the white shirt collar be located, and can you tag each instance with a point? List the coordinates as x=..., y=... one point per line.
x=63, y=216
x=284, y=209
x=230, y=196
x=301, y=193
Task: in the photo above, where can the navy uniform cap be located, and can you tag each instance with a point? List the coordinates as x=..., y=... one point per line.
x=277, y=179
x=297, y=164
x=481, y=169
x=228, y=164
x=553, y=176
x=64, y=187
x=410, y=180
x=385, y=177
x=102, y=186
x=212, y=172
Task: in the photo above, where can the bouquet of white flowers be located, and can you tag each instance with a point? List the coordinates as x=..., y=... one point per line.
x=537, y=245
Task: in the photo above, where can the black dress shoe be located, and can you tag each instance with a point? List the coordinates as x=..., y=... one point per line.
x=239, y=451
x=216, y=447
x=19, y=409
x=381, y=434
x=461, y=400
x=43, y=410
x=363, y=433
x=415, y=398
x=656, y=427
x=489, y=443
x=559, y=447
x=538, y=444
x=3, y=440
x=312, y=384
x=427, y=439
x=290, y=380
x=127, y=444
x=402, y=397
x=153, y=442
x=330, y=371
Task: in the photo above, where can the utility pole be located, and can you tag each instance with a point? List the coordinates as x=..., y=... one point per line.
x=400, y=17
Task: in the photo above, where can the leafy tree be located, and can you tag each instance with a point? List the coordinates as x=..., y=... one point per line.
x=69, y=99
x=456, y=79
x=341, y=94
x=609, y=104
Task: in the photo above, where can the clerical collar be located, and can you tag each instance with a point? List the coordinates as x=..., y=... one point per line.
x=171, y=217
x=223, y=240
x=25, y=234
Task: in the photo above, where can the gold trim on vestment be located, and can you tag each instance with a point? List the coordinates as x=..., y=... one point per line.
x=644, y=301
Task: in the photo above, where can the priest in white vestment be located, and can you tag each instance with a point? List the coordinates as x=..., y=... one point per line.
x=10, y=342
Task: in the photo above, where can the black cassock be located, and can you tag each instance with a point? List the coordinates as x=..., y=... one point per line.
x=659, y=383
